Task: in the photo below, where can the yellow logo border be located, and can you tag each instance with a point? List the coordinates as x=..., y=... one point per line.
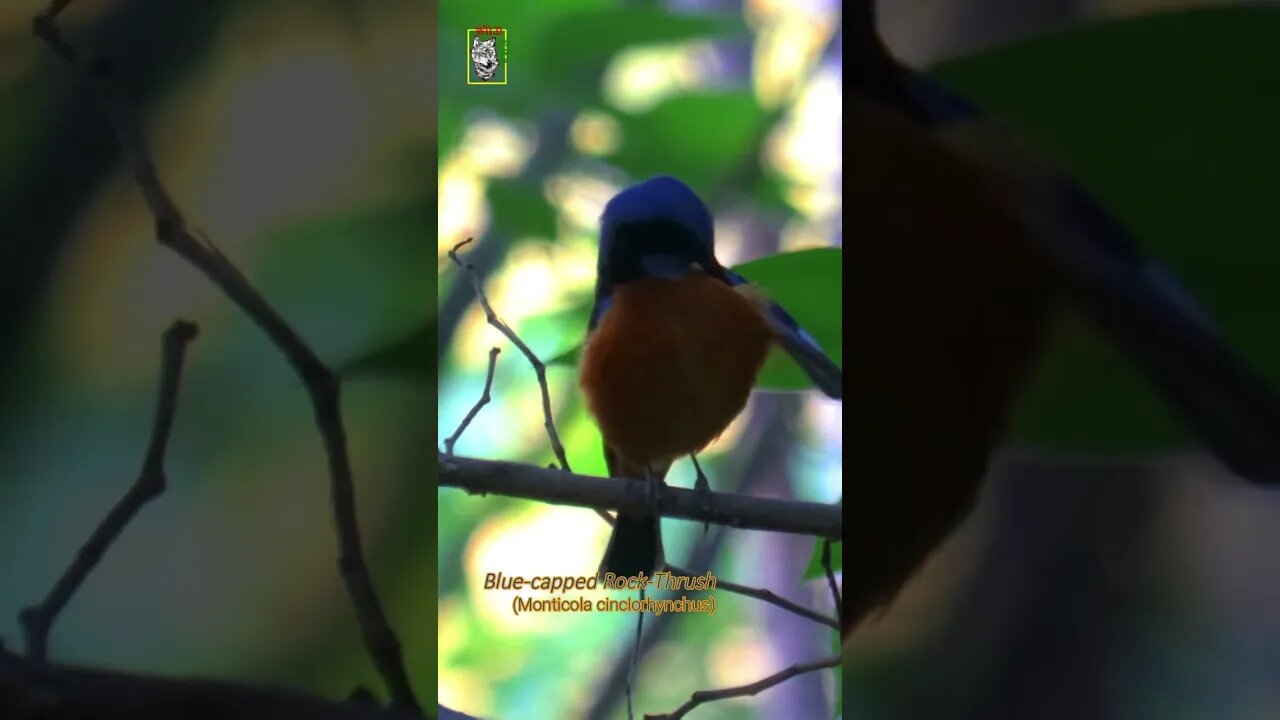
x=506, y=68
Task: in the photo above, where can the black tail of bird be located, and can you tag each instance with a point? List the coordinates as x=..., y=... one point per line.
x=634, y=547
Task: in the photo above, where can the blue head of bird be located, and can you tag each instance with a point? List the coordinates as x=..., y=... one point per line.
x=658, y=228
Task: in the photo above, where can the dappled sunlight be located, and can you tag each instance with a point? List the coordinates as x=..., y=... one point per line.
x=800, y=234
x=493, y=147
x=785, y=51
x=806, y=147
x=595, y=133
x=490, y=148
x=641, y=77
x=739, y=657
x=459, y=685
x=528, y=284
x=544, y=540
x=580, y=198
x=574, y=259
x=462, y=211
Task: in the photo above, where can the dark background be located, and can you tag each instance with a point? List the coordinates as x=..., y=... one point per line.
x=299, y=137
x=1111, y=571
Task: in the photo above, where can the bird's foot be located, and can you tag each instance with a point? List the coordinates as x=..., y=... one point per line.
x=653, y=490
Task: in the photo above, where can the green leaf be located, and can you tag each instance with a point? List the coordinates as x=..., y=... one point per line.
x=582, y=43
x=568, y=357
x=809, y=285
x=529, y=88
x=768, y=196
x=815, y=569
x=449, y=127
x=558, y=51
x=519, y=209
x=699, y=138
x=1170, y=120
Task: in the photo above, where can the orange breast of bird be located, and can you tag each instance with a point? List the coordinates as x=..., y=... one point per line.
x=671, y=364
x=952, y=304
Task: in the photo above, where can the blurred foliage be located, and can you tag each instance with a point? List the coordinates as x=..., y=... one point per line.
x=700, y=146
x=1171, y=120
x=816, y=568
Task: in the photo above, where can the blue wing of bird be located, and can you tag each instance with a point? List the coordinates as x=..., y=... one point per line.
x=800, y=345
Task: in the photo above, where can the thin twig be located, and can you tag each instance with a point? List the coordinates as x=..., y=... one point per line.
x=38, y=620
x=635, y=658
x=564, y=488
x=539, y=368
x=475, y=409
x=704, y=696
x=831, y=579
x=764, y=595
x=322, y=384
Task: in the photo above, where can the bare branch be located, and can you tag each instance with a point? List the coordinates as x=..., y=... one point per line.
x=475, y=409
x=31, y=689
x=538, y=367
x=322, y=383
x=563, y=488
x=705, y=696
x=763, y=595
x=38, y=620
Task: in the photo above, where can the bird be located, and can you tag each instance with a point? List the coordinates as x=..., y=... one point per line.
x=966, y=247
x=675, y=343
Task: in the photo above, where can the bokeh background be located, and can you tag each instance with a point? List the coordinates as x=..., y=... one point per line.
x=299, y=136
x=742, y=101
x=1110, y=571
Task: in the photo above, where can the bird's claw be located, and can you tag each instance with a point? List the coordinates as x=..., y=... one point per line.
x=653, y=491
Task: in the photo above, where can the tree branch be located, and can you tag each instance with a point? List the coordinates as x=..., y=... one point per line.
x=321, y=382
x=484, y=399
x=539, y=368
x=562, y=488
x=31, y=689
x=38, y=620
x=705, y=696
